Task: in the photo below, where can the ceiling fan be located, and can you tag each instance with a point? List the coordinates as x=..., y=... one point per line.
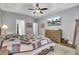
x=38, y=9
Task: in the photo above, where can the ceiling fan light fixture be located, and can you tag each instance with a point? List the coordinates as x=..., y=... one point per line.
x=37, y=11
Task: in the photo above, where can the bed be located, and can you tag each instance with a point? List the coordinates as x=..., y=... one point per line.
x=25, y=45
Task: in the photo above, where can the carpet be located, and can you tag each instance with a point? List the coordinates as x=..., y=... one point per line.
x=62, y=50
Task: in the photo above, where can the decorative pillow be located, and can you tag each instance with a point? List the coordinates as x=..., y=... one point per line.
x=11, y=36
x=41, y=36
x=8, y=36
x=21, y=37
x=30, y=36
x=37, y=36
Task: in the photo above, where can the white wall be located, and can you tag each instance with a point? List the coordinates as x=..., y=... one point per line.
x=68, y=22
x=9, y=19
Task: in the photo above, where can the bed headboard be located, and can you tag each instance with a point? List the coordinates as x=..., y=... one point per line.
x=54, y=35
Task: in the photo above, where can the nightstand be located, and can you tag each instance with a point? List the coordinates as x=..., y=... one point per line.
x=64, y=42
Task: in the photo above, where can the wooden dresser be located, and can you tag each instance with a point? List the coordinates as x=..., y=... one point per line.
x=54, y=35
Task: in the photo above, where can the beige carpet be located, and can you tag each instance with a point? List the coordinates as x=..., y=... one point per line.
x=62, y=50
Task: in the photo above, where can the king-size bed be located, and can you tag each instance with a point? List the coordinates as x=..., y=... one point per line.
x=28, y=44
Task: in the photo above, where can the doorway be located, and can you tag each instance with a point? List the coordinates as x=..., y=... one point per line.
x=35, y=28
x=20, y=27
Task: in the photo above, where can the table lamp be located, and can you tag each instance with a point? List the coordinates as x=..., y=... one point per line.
x=4, y=28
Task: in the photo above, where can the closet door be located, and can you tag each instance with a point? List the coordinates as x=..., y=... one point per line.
x=77, y=37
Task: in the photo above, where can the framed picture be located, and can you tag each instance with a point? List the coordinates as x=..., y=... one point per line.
x=29, y=25
x=54, y=21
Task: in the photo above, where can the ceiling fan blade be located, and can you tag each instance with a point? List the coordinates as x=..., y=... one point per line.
x=43, y=8
x=34, y=12
x=41, y=12
x=30, y=9
x=37, y=5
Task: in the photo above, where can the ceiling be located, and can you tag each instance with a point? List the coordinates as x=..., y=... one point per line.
x=23, y=8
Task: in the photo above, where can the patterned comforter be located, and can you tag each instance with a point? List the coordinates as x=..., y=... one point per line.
x=15, y=45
